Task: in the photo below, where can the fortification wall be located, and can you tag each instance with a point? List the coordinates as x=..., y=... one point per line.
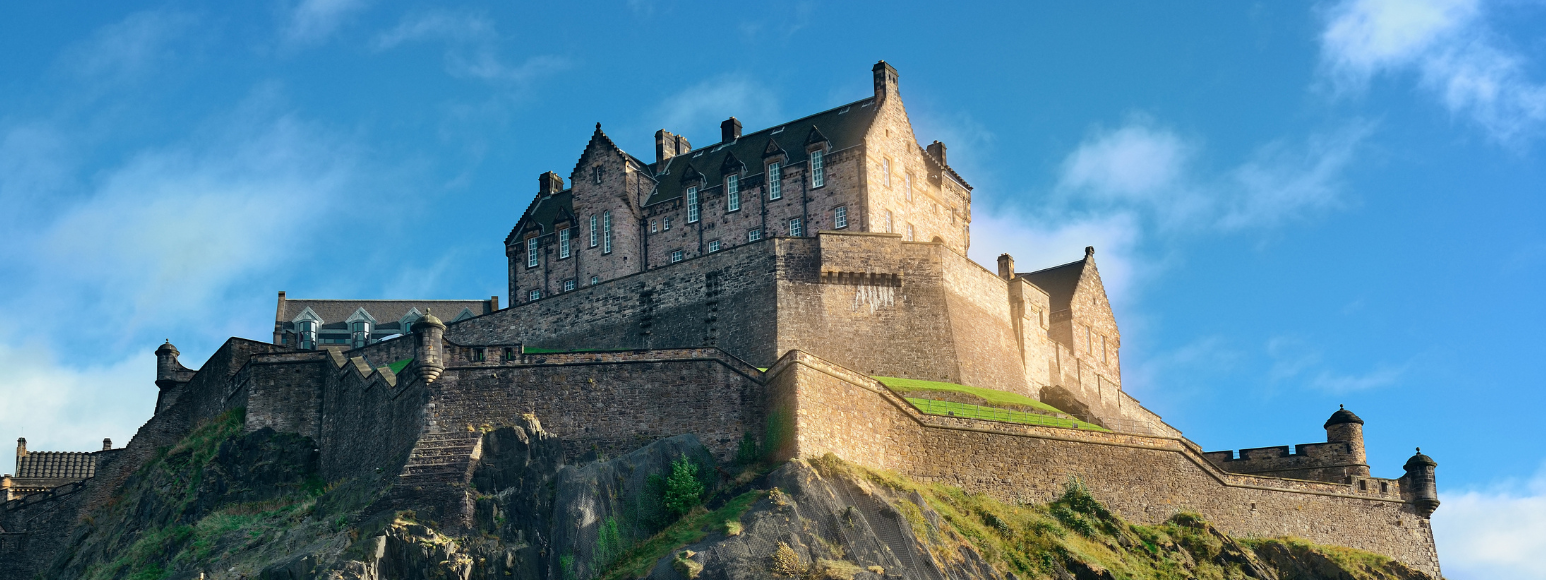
x=282, y=390
x=1331, y=461
x=840, y=412
x=607, y=402
x=370, y=418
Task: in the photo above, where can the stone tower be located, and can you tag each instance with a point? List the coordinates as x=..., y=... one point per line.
x=1419, y=484
x=1345, y=427
x=431, y=336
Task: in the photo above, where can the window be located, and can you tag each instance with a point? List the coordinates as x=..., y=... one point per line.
x=479, y=355
x=569, y=285
x=1103, y=350
x=594, y=280
x=909, y=232
x=668, y=224
x=593, y=230
x=775, y=181
x=1087, y=341
x=654, y=226
x=818, y=172
x=676, y=256
x=533, y=294
x=794, y=227
x=907, y=186
x=754, y=235
x=606, y=232
x=733, y=193
x=308, y=330
x=714, y=246
x=596, y=174
x=840, y=217
x=692, y=204
x=563, y=243
x=509, y=354
x=889, y=229
x=531, y=252
x=885, y=172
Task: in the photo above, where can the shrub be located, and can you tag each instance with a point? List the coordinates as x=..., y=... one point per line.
x=785, y=561
x=683, y=490
x=747, y=453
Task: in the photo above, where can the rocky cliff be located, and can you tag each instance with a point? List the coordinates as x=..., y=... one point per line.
x=227, y=504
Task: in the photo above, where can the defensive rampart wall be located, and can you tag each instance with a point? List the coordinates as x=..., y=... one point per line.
x=829, y=409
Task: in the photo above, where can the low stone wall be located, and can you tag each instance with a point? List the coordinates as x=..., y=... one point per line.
x=1145, y=479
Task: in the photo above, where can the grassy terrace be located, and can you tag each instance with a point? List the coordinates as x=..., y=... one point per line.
x=995, y=406
x=954, y=409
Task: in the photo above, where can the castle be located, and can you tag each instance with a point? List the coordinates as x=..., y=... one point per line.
x=758, y=285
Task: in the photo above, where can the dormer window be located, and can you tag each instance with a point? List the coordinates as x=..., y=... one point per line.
x=308, y=332
x=818, y=171
x=692, y=204
x=359, y=333
x=733, y=193
x=775, y=181
x=531, y=252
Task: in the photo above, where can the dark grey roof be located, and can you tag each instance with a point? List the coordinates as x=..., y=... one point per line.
x=56, y=465
x=842, y=127
x=384, y=311
x=1342, y=416
x=1059, y=282
x=546, y=211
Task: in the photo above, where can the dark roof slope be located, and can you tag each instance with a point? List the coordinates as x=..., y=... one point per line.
x=384, y=311
x=545, y=211
x=843, y=127
x=1059, y=282
x=56, y=465
x=1342, y=416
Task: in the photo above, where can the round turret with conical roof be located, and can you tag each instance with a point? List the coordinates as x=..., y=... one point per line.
x=1345, y=427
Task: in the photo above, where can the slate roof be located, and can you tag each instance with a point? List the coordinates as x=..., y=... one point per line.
x=384, y=311
x=546, y=211
x=1059, y=282
x=56, y=465
x=843, y=127
x=1342, y=416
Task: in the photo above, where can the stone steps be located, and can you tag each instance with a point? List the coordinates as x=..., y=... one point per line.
x=440, y=457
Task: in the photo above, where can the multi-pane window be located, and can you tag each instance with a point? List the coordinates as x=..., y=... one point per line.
x=885, y=172
x=534, y=294
x=593, y=230
x=563, y=243
x=714, y=246
x=889, y=229
x=606, y=232
x=909, y=232
x=794, y=227
x=531, y=252
x=907, y=185
x=676, y=256
x=733, y=193
x=754, y=235
x=775, y=181
x=668, y=224
x=654, y=226
x=569, y=285
x=594, y=280
x=692, y=204
x=818, y=171
x=840, y=217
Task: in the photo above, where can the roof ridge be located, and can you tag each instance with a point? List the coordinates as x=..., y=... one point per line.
x=1073, y=263
x=764, y=129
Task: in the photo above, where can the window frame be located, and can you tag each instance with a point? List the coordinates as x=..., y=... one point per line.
x=818, y=163
x=733, y=193
x=532, y=257
x=692, y=204
x=840, y=217
x=907, y=185
x=890, y=223
x=885, y=172
x=753, y=234
x=910, y=237
x=677, y=256
x=796, y=228
x=713, y=246
x=775, y=181
x=533, y=295
x=592, y=230
x=563, y=243
x=570, y=284
x=606, y=232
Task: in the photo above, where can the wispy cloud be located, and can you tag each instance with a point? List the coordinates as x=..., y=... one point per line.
x=1494, y=532
x=127, y=49
x=312, y=21
x=1297, y=361
x=471, y=43
x=71, y=405
x=1452, y=48
x=697, y=110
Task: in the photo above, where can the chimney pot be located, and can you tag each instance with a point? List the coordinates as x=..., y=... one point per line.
x=1006, y=267
x=730, y=130
x=937, y=149
x=885, y=80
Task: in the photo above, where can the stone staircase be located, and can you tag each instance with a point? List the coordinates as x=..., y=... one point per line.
x=441, y=458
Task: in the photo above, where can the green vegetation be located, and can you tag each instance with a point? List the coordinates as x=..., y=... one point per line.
x=1076, y=535
x=747, y=453
x=955, y=409
x=683, y=490
x=398, y=366
x=698, y=523
x=990, y=397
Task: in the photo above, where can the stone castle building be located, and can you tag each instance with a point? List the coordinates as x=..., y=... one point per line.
x=759, y=285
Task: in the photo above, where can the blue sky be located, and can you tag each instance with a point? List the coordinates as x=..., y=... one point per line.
x=1294, y=205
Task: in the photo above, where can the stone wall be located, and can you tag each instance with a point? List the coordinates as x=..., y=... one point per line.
x=840, y=412
x=1330, y=461
x=370, y=418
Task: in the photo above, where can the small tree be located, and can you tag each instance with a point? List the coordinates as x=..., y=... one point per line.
x=747, y=453
x=683, y=490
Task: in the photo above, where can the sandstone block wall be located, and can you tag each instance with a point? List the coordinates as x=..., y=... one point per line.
x=369, y=420
x=840, y=412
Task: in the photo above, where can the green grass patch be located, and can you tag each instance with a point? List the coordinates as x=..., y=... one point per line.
x=954, y=409
x=992, y=397
x=536, y=350
x=637, y=561
x=398, y=366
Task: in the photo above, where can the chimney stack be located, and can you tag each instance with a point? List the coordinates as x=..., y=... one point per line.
x=549, y=183
x=1006, y=267
x=21, y=447
x=668, y=145
x=885, y=80
x=730, y=130
x=937, y=149
x=107, y=444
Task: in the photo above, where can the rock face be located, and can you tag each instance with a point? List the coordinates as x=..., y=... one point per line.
x=223, y=504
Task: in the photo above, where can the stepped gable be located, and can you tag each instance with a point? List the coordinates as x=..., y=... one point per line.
x=843, y=127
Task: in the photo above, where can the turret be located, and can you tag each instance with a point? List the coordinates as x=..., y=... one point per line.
x=1345, y=427
x=1419, y=485
x=431, y=346
x=167, y=365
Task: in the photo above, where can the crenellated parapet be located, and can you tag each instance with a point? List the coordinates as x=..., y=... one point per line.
x=1341, y=459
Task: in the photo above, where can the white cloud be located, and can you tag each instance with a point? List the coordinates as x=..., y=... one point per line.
x=312, y=21
x=698, y=110
x=71, y=405
x=1451, y=47
x=1499, y=532
x=129, y=47
x=1038, y=242
x=1295, y=360
x=471, y=46
x=1133, y=162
